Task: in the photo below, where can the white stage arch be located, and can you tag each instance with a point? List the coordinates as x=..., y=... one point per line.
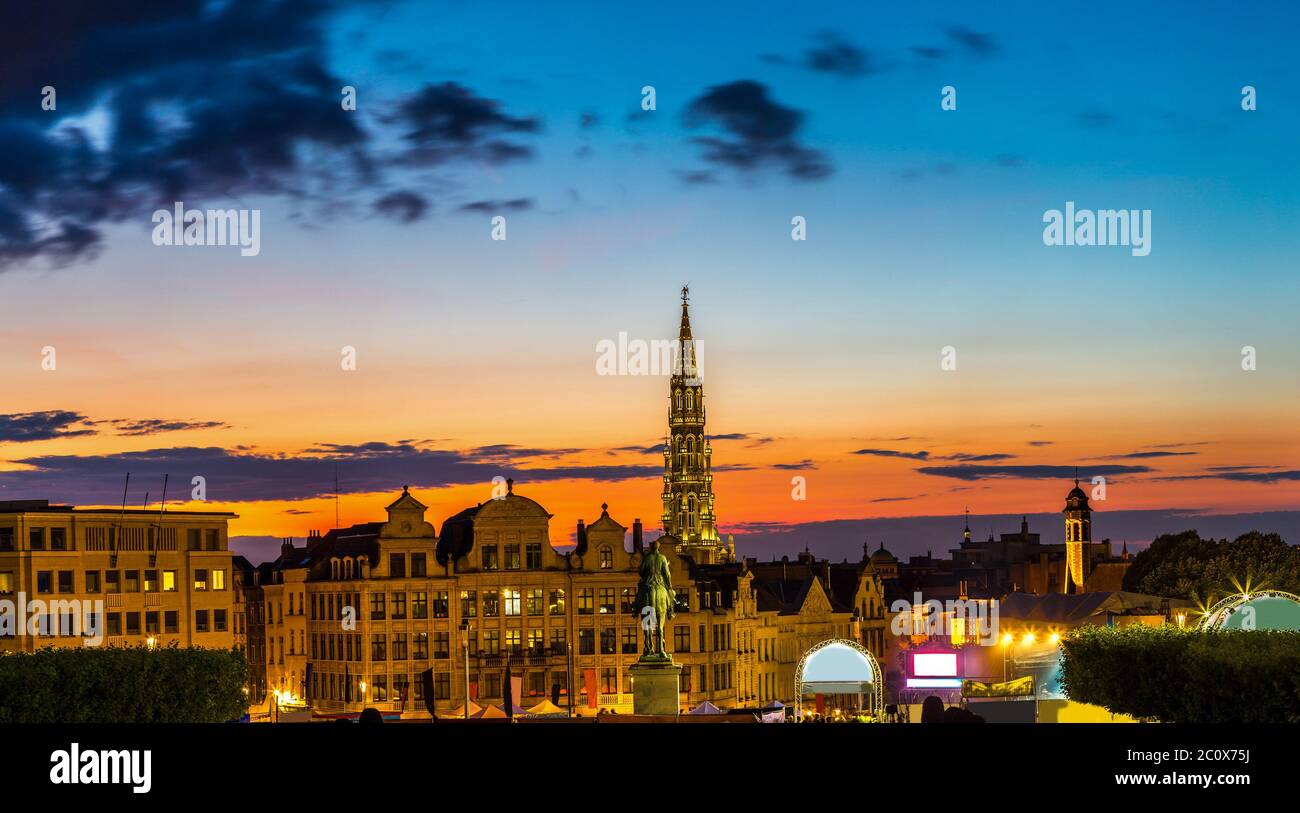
x=840, y=666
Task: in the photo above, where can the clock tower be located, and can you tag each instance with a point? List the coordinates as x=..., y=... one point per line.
x=688, y=479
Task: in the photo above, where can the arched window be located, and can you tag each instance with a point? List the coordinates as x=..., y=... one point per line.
x=677, y=401
x=690, y=400
x=606, y=557
x=334, y=569
x=692, y=510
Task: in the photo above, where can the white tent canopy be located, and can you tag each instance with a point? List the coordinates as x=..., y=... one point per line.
x=705, y=708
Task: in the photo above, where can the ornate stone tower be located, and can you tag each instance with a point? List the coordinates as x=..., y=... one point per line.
x=688, y=481
x=1078, y=535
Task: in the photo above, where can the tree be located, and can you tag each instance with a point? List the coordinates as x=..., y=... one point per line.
x=1186, y=566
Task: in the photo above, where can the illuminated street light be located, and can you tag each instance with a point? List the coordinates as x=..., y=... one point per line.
x=1055, y=637
x=1028, y=639
x=1007, y=638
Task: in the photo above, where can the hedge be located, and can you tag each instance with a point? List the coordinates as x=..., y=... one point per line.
x=1185, y=676
x=122, y=685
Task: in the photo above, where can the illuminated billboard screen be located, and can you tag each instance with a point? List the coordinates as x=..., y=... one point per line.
x=934, y=664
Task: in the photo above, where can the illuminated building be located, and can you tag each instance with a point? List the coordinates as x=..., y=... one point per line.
x=143, y=577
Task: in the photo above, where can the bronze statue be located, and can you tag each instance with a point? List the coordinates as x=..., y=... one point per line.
x=654, y=601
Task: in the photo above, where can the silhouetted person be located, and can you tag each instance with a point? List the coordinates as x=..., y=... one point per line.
x=932, y=710
x=957, y=714
x=371, y=715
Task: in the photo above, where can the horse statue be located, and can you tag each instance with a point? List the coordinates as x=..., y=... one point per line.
x=654, y=602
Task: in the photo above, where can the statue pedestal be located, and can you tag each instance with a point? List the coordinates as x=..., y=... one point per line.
x=655, y=687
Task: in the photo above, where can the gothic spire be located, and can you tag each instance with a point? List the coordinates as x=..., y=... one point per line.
x=684, y=335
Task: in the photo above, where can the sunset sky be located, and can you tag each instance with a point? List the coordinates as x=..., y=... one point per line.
x=476, y=357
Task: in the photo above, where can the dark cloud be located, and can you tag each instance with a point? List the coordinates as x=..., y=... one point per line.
x=240, y=477
x=495, y=206
x=756, y=131
x=135, y=427
x=1041, y=442
x=588, y=120
x=1095, y=119
x=800, y=466
x=1240, y=476
x=976, y=472
x=26, y=427
x=835, y=55
x=928, y=52
x=893, y=453
x=203, y=103
x=402, y=205
x=449, y=121
x=973, y=42
x=1144, y=455
x=978, y=458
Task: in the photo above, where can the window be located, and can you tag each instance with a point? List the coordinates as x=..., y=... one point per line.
x=512, y=557
x=586, y=605
x=627, y=600
x=151, y=581
x=490, y=560
x=492, y=642
x=556, y=602
x=212, y=539
x=399, y=646
x=6, y=539
x=219, y=620
x=629, y=640
x=379, y=691
x=536, y=642
x=420, y=604
x=441, y=602
x=442, y=685
x=514, y=642
x=512, y=601
x=399, y=606
x=608, y=641
x=420, y=646
x=558, y=641
x=682, y=638
x=200, y=580
x=171, y=621
x=44, y=581
x=58, y=539
x=169, y=581
x=609, y=680
x=65, y=581
x=132, y=580
x=491, y=604
x=536, y=683
x=606, y=557
x=468, y=604
x=533, y=556
x=219, y=583
x=586, y=641
x=200, y=621
x=419, y=566
x=378, y=647
x=441, y=645
x=6, y=582
x=377, y=606
x=114, y=624
x=606, y=601
x=111, y=582
x=397, y=565
x=534, y=605
x=193, y=538
x=36, y=538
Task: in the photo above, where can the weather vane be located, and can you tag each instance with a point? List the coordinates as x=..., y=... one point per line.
x=686, y=293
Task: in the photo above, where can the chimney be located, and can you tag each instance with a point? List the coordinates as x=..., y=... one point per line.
x=637, y=540
x=286, y=547
x=581, y=549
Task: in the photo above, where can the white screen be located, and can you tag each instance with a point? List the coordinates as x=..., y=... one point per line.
x=935, y=664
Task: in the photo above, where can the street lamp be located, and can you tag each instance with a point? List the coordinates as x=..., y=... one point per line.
x=363, y=692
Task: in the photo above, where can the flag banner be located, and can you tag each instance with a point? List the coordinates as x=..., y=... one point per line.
x=593, y=697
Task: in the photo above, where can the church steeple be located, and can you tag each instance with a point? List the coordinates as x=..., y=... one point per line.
x=688, y=509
